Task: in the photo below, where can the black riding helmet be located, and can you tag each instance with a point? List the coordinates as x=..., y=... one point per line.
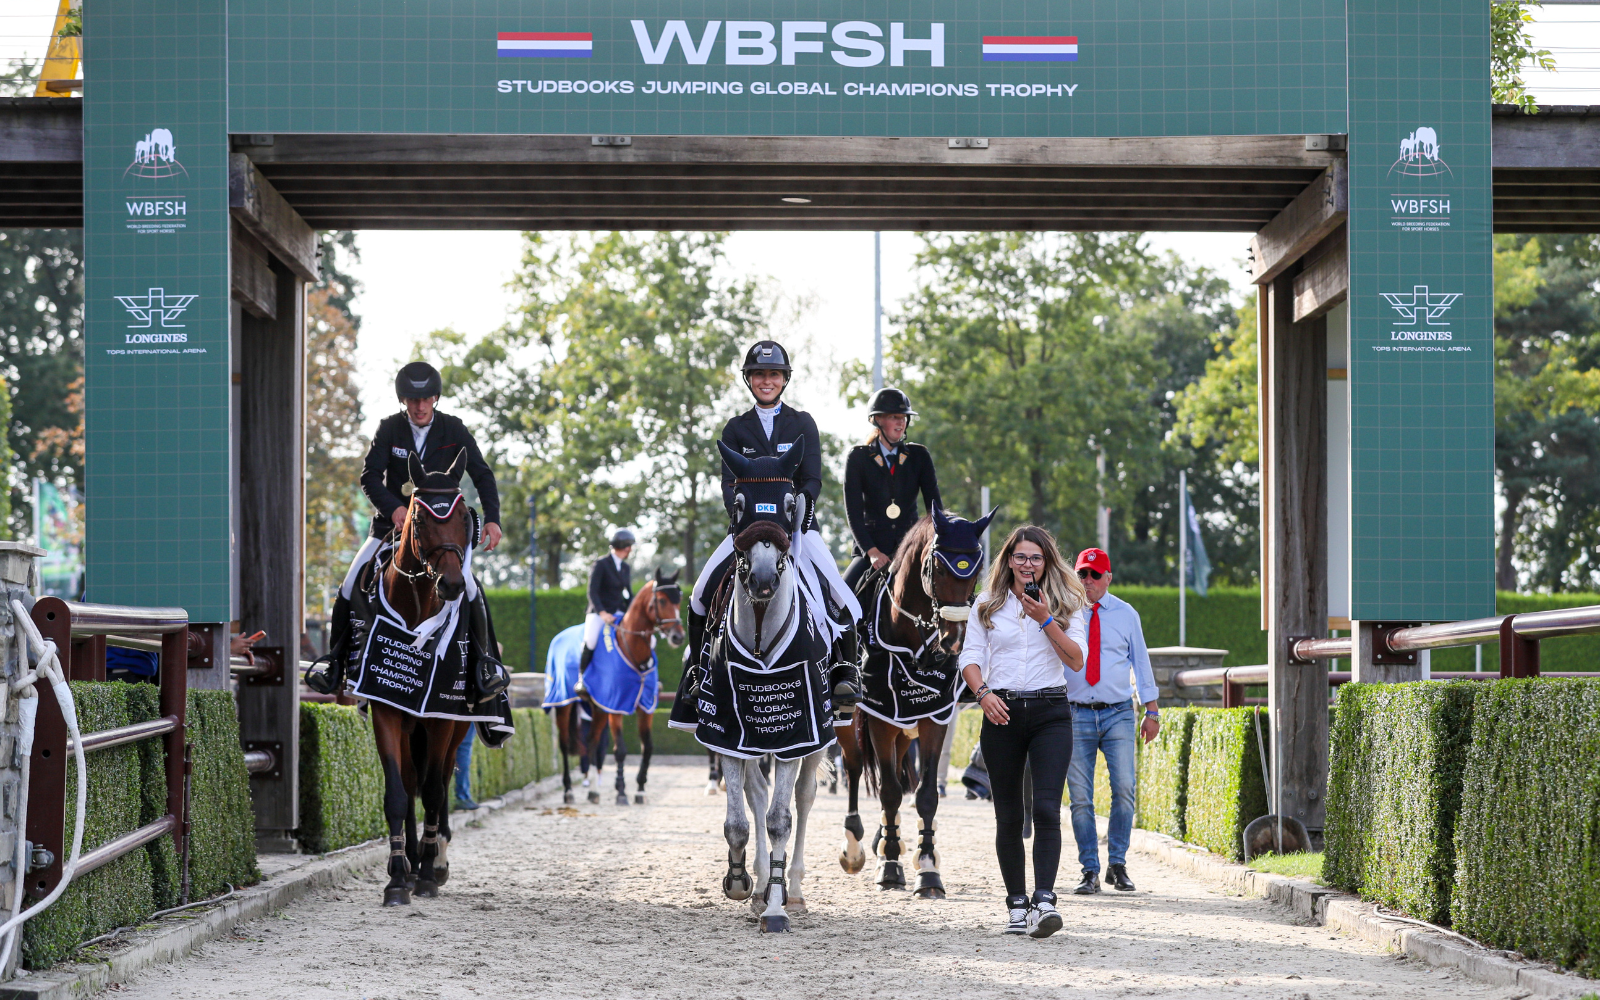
x=418, y=380
x=622, y=539
x=767, y=355
x=889, y=400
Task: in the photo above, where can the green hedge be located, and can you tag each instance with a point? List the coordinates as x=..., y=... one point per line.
x=558, y=610
x=1224, y=787
x=341, y=781
x=1397, y=753
x=1163, y=768
x=222, y=825
x=1528, y=838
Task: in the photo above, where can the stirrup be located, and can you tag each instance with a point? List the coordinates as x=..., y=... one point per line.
x=328, y=681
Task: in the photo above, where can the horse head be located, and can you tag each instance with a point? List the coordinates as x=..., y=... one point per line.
x=763, y=488
x=438, y=530
x=950, y=572
x=665, y=599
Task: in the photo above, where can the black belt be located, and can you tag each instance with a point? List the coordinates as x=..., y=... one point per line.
x=1098, y=706
x=1060, y=691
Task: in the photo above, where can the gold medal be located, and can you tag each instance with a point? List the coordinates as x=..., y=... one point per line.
x=893, y=510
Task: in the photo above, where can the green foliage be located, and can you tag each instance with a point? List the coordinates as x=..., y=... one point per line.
x=222, y=837
x=1528, y=838
x=1510, y=49
x=1222, y=404
x=166, y=867
x=969, y=725
x=1302, y=864
x=1226, y=618
x=523, y=759
x=1163, y=768
x=1397, y=752
x=341, y=781
x=1225, y=789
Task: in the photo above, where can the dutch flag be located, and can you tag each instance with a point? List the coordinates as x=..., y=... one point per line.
x=1027, y=48
x=546, y=44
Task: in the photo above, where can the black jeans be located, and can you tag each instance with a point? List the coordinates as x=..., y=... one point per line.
x=1040, y=733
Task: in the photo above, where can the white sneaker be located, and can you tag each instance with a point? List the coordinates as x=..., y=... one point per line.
x=1017, y=915
x=1043, y=920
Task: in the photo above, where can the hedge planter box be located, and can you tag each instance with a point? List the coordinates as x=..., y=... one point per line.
x=1164, y=774
x=1397, y=752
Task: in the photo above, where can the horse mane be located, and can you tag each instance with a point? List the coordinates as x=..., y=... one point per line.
x=762, y=531
x=913, y=549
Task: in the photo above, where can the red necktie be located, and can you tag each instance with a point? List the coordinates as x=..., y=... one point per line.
x=1093, y=668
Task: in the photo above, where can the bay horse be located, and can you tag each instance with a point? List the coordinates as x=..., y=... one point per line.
x=920, y=606
x=424, y=573
x=654, y=609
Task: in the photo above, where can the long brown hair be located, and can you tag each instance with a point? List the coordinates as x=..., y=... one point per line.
x=1061, y=591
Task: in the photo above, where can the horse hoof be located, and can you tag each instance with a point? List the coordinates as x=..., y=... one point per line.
x=567, y=798
x=795, y=905
x=622, y=798
x=594, y=798
x=891, y=875
x=711, y=788
x=737, y=887
x=397, y=895
x=638, y=799
x=777, y=923
x=833, y=788
x=441, y=875
x=930, y=892
x=426, y=889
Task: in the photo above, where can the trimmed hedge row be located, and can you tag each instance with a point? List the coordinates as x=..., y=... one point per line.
x=1397, y=755
x=341, y=779
x=1527, y=840
x=127, y=789
x=1223, y=786
x=1163, y=773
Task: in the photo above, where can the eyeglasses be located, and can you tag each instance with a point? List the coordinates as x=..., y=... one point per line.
x=1022, y=560
x=1084, y=574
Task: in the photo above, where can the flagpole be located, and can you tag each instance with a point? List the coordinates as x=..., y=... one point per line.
x=1183, y=557
x=877, y=311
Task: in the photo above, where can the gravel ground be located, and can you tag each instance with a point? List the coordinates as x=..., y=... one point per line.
x=622, y=902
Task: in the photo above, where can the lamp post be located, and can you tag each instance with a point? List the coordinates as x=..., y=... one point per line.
x=533, y=584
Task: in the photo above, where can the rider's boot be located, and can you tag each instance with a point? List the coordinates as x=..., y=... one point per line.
x=491, y=676
x=692, y=655
x=583, y=664
x=327, y=672
x=844, y=676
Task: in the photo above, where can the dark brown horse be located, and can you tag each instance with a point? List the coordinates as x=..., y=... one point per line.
x=654, y=609
x=930, y=584
x=423, y=575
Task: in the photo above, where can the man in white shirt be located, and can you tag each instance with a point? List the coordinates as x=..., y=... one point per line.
x=1115, y=663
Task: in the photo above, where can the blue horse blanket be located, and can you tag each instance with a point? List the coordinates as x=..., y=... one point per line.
x=614, y=684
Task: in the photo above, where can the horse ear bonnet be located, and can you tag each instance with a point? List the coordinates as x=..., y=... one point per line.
x=959, y=543
x=764, y=501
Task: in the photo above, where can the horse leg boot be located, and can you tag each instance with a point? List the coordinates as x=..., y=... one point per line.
x=327, y=672
x=929, y=884
x=395, y=804
x=852, y=856
x=780, y=822
x=736, y=884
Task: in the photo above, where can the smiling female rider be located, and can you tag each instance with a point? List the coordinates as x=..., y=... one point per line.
x=437, y=439
x=771, y=428
x=1016, y=647
x=881, y=481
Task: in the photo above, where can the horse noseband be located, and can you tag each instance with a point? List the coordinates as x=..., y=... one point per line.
x=955, y=612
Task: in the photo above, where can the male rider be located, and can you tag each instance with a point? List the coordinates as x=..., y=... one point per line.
x=437, y=439
x=772, y=428
x=610, y=590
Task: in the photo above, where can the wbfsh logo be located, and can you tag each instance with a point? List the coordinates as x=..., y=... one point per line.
x=1419, y=155
x=155, y=157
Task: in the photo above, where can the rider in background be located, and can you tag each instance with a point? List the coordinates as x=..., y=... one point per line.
x=437, y=439
x=771, y=428
x=881, y=482
x=610, y=590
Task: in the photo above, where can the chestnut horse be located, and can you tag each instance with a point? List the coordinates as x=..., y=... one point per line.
x=425, y=572
x=653, y=609
x=929, y=589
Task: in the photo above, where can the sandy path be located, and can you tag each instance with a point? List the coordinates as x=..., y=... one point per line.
x=626, y=902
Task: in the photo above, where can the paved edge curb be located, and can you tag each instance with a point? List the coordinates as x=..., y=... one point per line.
x=176, y=936
x=1352, y=915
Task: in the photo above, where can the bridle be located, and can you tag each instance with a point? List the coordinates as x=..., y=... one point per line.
x=741, y=566
x=428, y=570
x=948, y=612
x=656, y=624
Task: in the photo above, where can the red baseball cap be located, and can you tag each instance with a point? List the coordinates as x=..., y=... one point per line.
x=1095, y=559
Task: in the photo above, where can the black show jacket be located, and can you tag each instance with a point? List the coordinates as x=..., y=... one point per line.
x=744, y=435
x=871, y=484
x=387, y=470
x=610, y=589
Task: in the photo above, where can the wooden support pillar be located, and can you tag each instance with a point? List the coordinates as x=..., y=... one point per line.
x=1294, y=511
x=271, y=532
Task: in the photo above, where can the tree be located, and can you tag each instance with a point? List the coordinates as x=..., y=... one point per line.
x=335, y=508
x=1510, y=49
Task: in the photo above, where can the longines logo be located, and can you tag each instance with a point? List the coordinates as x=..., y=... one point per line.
x=152, y=306
x=1424, y=306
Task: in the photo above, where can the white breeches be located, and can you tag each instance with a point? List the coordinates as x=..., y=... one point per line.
x=591, y=629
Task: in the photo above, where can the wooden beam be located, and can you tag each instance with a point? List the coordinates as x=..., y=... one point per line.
x=1319, y=210
x=1325, y=281
x=41, y=130
x=254, y=285
x=262, y=210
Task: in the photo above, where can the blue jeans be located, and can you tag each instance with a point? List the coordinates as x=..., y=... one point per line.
x=1111, y=731
x=464, y=766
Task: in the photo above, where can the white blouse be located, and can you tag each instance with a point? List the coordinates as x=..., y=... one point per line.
x=1015, y=654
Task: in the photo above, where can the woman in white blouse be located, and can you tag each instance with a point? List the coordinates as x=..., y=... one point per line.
x=1028, y=628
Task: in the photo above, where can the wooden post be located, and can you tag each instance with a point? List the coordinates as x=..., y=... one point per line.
x=271, y=530
x=1294, y=414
